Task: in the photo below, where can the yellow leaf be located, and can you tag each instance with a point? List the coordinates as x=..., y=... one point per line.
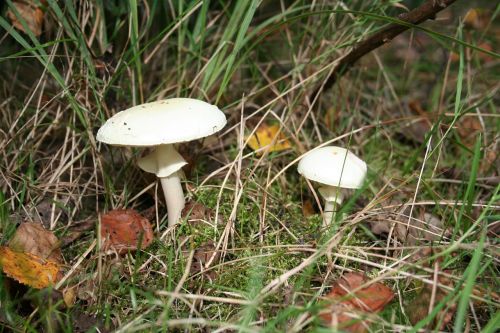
x=270, y=138
x=69, y=296
x=28, y=268
x=477, y=18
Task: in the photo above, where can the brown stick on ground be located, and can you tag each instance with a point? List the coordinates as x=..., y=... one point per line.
x=426, y=11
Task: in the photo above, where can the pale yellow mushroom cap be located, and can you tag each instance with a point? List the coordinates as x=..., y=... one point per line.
x=163, y=122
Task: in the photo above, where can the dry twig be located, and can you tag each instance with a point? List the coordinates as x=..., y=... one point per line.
x=424, y=12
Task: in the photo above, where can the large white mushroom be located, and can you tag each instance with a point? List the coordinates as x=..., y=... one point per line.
x=161, y=124
x=335, y=168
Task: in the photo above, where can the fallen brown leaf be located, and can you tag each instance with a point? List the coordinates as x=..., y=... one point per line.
x=33, y=238
x=123, y=229
x=30, y=12
x=350, y=304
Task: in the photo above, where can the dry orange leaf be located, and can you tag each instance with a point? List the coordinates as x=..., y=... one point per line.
x=124, y=229
x=33, y=238
x=477, y=18
x=28, y=268
x=308, y=208
x=30, y=12
x=350, y=304
x=269, y=137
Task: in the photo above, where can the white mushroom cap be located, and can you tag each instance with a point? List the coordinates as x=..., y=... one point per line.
x=163, y=122
x=333, y=166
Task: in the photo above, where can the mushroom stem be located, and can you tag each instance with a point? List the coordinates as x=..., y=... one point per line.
x=333, y=198
x=174, y=197
x=329, y=212
x=166, y=163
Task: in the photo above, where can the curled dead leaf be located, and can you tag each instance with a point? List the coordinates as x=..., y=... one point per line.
x=30, y=12
x=33, y=238
x=351, y=303
x=28, y=269
x=124, y=229
x=269, y=137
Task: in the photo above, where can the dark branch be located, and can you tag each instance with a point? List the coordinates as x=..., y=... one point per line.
x=427, y=10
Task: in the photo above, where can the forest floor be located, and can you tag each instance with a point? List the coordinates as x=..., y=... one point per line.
x=416, y=247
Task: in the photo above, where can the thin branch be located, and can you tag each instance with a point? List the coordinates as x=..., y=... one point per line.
x=426, y=11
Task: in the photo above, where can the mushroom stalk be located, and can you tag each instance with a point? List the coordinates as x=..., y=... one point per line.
x=174, y=196
x=333, y=198
x=329, y=212
x=166, y=163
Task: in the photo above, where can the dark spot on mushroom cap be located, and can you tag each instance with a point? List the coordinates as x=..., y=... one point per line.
x=129, y=128
x=124, y=123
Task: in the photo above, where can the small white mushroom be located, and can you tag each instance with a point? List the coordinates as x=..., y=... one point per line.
x=161, y=124
x=335, y=168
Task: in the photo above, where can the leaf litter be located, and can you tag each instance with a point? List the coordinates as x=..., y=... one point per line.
x=124, y=230
x=268, y=138
x=28, y=268
x=422, y=226
x=35, y=239
x=33, y=256
x=352, y=299
x=30, y=12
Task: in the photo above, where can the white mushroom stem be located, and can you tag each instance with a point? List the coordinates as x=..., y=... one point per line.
x=174, y=196
x=166, y=163
x=333, y=198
